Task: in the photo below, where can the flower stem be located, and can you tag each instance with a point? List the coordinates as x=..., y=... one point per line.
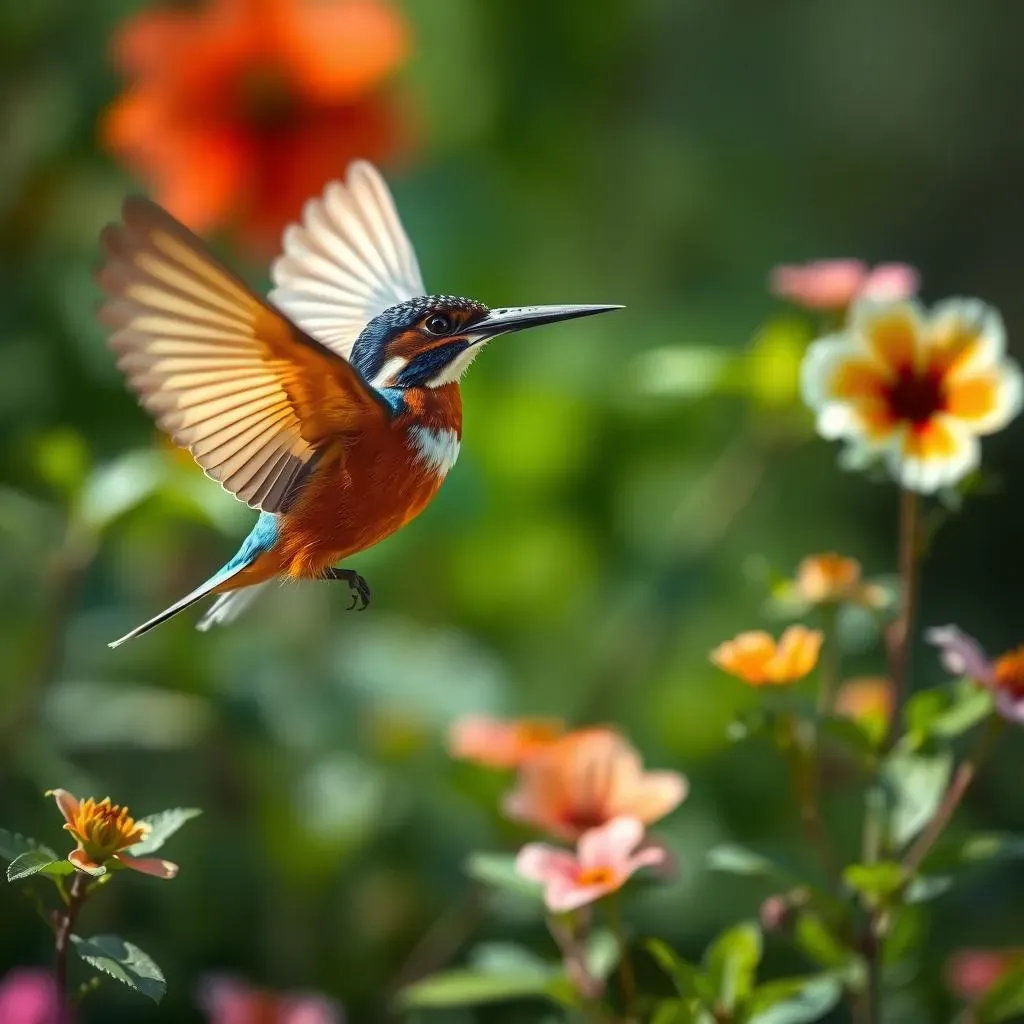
x=805, y=790
x=76, y=896
x=627, y=977
x=830, y=659
x=900, y=633
x=962, y=780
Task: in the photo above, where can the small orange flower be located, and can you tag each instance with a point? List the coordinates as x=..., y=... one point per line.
x=104, y=832
x=913, y=389
x=835, y=579
x=238, y=110
x=585, y=779
x=499, y=743
x=869, y=701
x=757, y=659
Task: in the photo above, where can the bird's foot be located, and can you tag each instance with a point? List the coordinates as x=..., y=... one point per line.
x=361, y=593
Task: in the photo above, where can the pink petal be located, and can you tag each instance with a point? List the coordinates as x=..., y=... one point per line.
x=545, y=864
x=226, y=1000
x=611, y=844
x=649, y=857
x=823, y=284
x=66, y=803
x=30, y=996
x=961, y=655
x=563, y=895
x=890, y=281
x=148, y=865
x=309, y=1010
x=1010, y=707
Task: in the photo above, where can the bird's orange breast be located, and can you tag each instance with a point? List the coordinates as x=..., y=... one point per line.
x=367, y=487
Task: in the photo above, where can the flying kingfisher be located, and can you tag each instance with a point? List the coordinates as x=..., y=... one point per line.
x=334, y=408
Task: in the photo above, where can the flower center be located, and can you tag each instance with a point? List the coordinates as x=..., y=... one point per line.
x=104, y=828
x=597, y=876
x=1009, y=672
x=915, y=396
x=266, y=98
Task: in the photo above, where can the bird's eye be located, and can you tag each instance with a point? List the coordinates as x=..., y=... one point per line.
x=438, y=323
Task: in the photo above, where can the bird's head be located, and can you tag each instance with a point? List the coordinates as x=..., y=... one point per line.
x=430, y=340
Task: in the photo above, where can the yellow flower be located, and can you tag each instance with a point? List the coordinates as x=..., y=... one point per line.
x=835, y=579
x=105, y=830
x=914, y=389
x=757, y=659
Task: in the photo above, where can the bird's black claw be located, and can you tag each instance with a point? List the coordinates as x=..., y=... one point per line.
x=361, y=593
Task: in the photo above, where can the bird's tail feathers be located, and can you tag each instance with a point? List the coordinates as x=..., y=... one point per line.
x=229, y=606
x=179, y=606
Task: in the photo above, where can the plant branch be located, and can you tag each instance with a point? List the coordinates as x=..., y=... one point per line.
x=900, y=632
x=962, y=779
x=627, y=976
x=76, y=896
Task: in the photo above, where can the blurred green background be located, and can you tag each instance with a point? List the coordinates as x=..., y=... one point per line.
x=613, y=514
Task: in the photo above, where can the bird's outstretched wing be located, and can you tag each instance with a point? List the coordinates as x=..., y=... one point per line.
x=348, y=261
x=228, y=377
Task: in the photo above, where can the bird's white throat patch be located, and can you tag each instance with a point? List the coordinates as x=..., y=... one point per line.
x=435, y=448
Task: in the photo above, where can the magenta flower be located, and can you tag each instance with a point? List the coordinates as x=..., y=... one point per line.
x=962, y=655
x=604, y=861
x=227, y=1000
x=970, y=973
x=835, y=284
x=29, y=996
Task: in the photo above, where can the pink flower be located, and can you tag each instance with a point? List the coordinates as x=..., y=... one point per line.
x=585, y=779
x=501, y=743
x=227, y=1000
x=29, y=996
x=970, y=973
x=834, y=284
x=962, y=655
x=605, y=859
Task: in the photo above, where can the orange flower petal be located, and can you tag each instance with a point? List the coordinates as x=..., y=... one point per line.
x=796, y=655
x=82, y=861
x=148, y=865
x=67, y=804
x=857, y=379
x=972, y=398
x=746, y=655
x=144, y=41
x=339, y=49
x=892, y=334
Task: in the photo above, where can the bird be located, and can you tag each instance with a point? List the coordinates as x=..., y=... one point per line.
x=332, y=406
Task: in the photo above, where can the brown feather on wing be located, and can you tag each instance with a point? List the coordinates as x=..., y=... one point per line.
x=228, y=377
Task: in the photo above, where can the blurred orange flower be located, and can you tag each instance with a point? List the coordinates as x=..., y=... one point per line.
x=869, y=701
x=104, y=832
x=757, y=659
x=835, y=579
x=499, y=743
x=236, y=111
x=585, y=779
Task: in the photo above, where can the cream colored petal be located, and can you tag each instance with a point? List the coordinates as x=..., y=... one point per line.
x=970, y=332
x=926, y=464
x=893, y=332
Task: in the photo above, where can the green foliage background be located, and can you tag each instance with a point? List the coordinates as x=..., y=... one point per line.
x=599, y=534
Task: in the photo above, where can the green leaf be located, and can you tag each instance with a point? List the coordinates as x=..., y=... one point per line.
x=123, y=961
x=116, y=488
x=731, y=964
x=687, y=978
x=794, y=1000
x=498, y=870
x=34, y=862
x=817, y=941
x=917, y=783
x=905, y=936
x=1003, y=1001
x=466, y=987
x=13, y=846
x=679, y=1011
x=927, y=887
x=602, y=954
x=733, y=859
x=947, y=711
x=980, y=848
x=162, y=826
x=876, y=883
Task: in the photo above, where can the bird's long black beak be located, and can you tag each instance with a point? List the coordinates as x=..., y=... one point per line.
x=518, y=318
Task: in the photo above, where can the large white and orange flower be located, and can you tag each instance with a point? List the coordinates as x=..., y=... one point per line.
x=914, y=389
